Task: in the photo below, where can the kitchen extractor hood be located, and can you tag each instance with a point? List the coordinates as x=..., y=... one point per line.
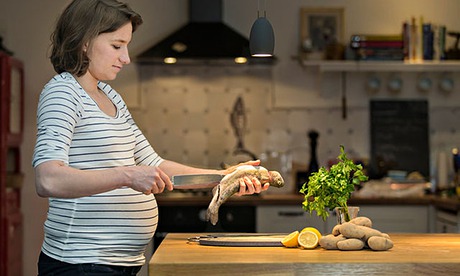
x=205, y=39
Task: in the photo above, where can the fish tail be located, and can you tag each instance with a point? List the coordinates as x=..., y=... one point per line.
x=212, y=214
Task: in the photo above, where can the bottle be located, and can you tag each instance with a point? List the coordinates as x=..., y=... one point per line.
x=303, y=176
x=313, y=164
x=456, y=163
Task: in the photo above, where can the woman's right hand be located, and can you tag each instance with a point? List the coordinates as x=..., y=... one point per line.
x=149, y=180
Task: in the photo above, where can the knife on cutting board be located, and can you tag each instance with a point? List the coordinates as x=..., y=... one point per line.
x=196, y=181
x=240, y=239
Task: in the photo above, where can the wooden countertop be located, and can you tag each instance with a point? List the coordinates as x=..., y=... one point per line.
x=448, y=203
x=412, y=254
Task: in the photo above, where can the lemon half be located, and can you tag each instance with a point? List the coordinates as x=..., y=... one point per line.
x=291, y=240
x=314, y=230
x=308, y=239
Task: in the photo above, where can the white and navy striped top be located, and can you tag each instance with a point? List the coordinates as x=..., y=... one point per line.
x=108, y=228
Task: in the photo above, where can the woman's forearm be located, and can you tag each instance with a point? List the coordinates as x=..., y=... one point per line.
x=54, y=179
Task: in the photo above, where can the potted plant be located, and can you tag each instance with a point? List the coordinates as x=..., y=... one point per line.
x=331, y=189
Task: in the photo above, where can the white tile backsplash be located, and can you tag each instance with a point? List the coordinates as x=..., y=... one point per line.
x=185, y=113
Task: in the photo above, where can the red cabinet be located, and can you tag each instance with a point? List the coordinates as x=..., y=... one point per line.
x=11, y=128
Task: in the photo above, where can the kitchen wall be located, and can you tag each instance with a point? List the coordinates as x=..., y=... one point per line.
x=283, y=102
x=185, y=113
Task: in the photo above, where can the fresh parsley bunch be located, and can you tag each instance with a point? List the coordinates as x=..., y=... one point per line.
x=332, y=188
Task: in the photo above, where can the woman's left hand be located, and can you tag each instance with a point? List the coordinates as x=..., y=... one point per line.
x=251, y=185
x=248, y=184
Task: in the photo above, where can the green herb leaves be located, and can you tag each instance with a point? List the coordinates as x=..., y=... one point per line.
x=327, y=189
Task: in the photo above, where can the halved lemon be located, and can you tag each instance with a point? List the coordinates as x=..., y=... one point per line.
x=308, y=239
x=291, y=240
x=314, y=230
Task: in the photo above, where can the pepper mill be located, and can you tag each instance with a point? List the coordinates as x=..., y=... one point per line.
x=313, y=165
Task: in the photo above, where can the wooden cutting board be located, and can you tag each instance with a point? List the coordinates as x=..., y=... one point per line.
x=241, y=240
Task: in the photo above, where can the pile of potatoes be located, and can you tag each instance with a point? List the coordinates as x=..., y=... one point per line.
x=356, y=235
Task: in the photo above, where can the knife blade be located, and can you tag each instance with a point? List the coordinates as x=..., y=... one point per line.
x=196, y=181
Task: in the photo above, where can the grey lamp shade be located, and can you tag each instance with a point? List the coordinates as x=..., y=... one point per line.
x=262, y=38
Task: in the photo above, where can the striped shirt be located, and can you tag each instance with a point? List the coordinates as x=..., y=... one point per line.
x=108, y=228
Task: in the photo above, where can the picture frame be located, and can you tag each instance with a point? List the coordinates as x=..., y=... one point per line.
x=320, y=27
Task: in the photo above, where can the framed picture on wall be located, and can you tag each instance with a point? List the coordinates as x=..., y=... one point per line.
x=320, y=27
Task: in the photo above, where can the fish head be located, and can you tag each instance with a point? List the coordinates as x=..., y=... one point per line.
x=276, y=179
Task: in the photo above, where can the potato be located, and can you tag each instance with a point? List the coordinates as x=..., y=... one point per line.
x=356, y=235
x=363, y=221
x=330, y=241
x=336, y=230
x=379, y=243
x=370, y=232
x=350, y=230
x=350, y=244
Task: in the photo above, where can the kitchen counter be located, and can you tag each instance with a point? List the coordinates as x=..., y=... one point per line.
x=412, y=254
x=177, y=199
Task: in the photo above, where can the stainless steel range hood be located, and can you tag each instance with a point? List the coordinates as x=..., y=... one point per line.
x=205, y=39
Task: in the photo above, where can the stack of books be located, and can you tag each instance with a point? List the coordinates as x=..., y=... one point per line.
x=378, y=47
x=423, y=41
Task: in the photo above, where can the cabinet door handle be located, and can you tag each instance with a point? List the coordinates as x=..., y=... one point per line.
x=290, y=214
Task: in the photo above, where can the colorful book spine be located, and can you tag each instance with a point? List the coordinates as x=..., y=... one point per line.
x=441, y=42
x=406, y=33
x=414, y=41
x=419, y=45
x=427, y=41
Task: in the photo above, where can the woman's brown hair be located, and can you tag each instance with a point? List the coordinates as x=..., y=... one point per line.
x=81, y=22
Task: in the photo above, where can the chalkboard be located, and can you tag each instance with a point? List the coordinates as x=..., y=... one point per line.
x=399, y=137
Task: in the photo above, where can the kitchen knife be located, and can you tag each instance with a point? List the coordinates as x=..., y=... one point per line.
x=196, y=181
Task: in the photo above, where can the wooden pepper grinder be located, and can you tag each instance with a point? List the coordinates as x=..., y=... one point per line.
x=313, y=165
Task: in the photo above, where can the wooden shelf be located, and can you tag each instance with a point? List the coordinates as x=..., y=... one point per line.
x=381, y=66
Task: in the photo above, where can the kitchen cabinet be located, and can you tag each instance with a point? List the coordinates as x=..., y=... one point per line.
x=11, y=128
x=286, y=219
x=192, y=218
x=398, y=218
x=447, y=221
x=284, y=213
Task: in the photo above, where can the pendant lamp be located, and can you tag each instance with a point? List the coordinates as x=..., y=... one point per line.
x=262, y=37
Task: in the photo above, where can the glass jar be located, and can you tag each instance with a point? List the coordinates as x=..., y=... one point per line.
x=343, y=216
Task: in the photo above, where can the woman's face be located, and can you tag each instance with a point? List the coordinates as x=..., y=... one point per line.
x=108, y=52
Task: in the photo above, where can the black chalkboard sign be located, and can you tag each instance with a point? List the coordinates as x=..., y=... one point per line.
x=399, y=137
